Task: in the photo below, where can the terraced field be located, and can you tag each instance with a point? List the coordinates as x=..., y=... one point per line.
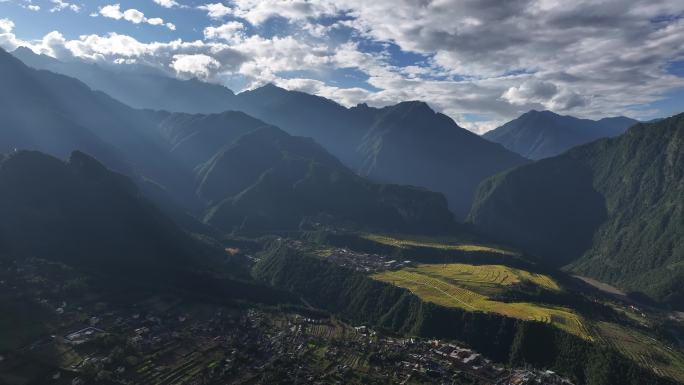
x=443, y=243
x=484, y=277
x=642, y=349
x=470, y=287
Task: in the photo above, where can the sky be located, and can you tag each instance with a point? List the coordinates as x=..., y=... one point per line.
x=482, y=62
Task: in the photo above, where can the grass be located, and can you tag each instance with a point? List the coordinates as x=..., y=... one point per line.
x=441, y=243
x=470, y=287
x=643, y=349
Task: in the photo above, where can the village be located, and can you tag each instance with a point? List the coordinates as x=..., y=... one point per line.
x=355, y=260
x=167, y=341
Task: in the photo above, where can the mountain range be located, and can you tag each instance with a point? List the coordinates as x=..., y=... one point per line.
x=407, y=143
x=286, y=160
x=542, y=134
x=206, y=163
x=611, y=209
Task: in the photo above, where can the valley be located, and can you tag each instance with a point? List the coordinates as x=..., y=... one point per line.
x=330, y=193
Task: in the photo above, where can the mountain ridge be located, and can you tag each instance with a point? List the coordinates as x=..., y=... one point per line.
x=351, y=134
x=541, y=134
x=610, y=209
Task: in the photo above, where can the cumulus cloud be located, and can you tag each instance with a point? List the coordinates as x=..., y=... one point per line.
x=231, y=32
x=197, y=65
x=113, y=11
x=7, y=39
x=59, y=5
x=530, y=91
x=6, y=25
x=167, y=3
x=258, y=11
x=216, y=10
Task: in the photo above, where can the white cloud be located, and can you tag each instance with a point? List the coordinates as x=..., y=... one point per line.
x=197, y=65
x=33, y=7
x=113, y=11
x=216, y=10
x=136, y=17
x=6, y=25
x=167, y=3
x=8, y=41
x=232, y=32
x=530, y=91
x=258, y=11
x=155, y=21
x=60, y=5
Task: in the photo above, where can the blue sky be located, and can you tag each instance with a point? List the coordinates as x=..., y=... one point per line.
x=482, y=62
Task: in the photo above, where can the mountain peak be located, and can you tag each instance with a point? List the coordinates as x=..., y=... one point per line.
x=541, y=134
x=534, y=112
x=415, y=107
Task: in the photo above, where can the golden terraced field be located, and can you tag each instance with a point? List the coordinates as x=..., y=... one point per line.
x=470, y=287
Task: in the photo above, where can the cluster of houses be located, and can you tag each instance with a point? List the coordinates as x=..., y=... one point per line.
x=359, y=261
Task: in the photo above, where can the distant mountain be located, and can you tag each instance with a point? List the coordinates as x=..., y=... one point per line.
x=381, y=143
x=541, y=134
x=195, y=138
x=56, y=114
x=611, y=209
x=137, y=86
x=268, y=180
x=80, y=213
x=201, y=161
x=405, y=144
x=409, y=143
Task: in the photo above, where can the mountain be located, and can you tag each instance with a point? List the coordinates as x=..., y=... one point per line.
x=542, y=134
x=81, y=213
x=611, y=209
x=251, y=176
x=407, y=143
x=136, y=85
x=379, y=143
x=195, y=138
x=200, y=162
x=56, y=114
x=411, y=144
x=268, y=180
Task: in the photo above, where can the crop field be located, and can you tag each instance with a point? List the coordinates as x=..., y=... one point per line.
x=443, y=243
x=642, y=349
x=469, y=287
x=485, y=277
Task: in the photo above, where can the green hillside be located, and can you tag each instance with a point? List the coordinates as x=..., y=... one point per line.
x=81, y=213
x=611, y=210
x=270, y=181
x=360, y=299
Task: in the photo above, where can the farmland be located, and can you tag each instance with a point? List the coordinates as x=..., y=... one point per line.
x=441, y=243
x=642, y=349
x=471, y=288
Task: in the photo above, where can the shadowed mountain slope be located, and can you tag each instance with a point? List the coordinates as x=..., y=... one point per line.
x=541, y=134
x=401, y=144
x=270, y=181
x=81, y=213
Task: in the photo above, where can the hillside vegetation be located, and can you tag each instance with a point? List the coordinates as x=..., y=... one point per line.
x=363, y=300
x=611, y=210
